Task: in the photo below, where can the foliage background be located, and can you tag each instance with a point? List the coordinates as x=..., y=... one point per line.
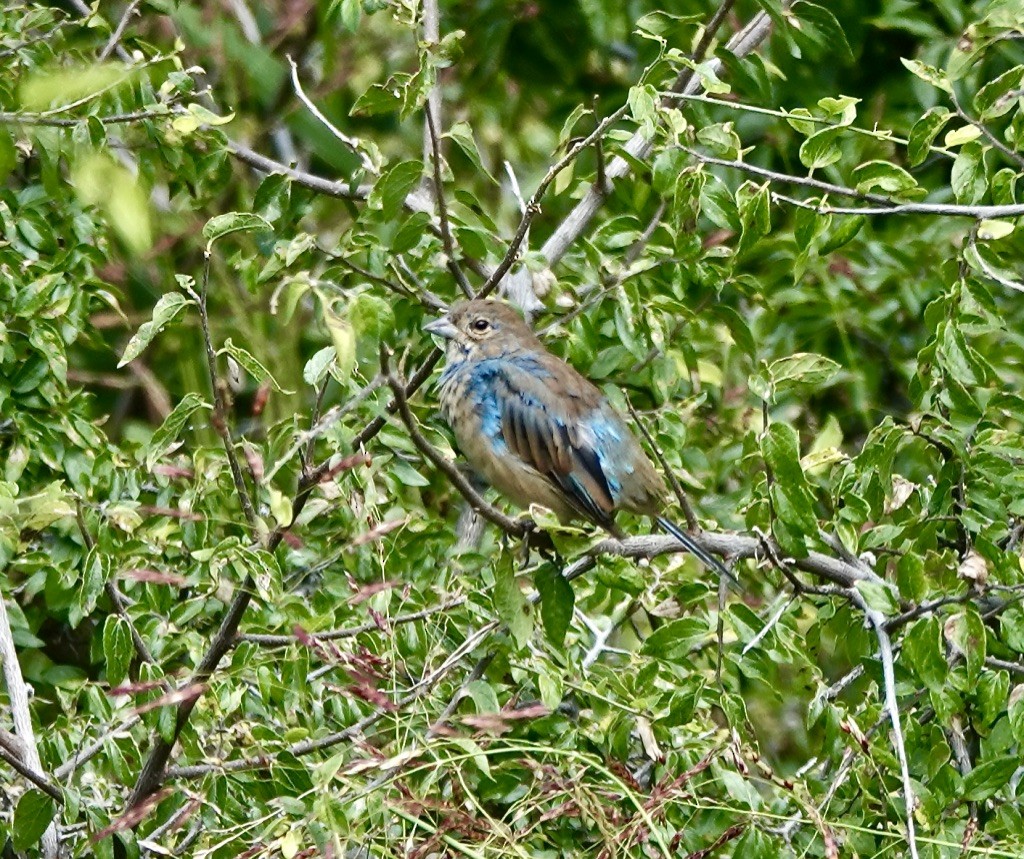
x=807, y=287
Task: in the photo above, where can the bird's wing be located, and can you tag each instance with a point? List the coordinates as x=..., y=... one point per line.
x=556, y=422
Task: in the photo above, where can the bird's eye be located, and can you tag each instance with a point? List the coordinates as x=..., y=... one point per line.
x=481, y=324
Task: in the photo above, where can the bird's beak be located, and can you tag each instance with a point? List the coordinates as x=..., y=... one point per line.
x=442, y=328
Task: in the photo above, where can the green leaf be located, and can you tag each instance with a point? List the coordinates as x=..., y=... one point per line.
x=884, y=176
x=1000, y=96
x=509, y=602
x=843, y=234
x=52, y=87
x=33, y=814
x=791, y=495
x=168, y=431
x=795, y=372
x=989, y=778
x=462, y=135
x=118, y=650
x=877, y=596
x=821, y=149
x=167, y=308
x=316, y=367
x=389, y=192
x=251, y=366
x=968, y=175
x=350, y=11
x=234, y=222
x=343, y=336
x=643, y=105
x=924, y=132
x=923, y=653
x=674, y=641
x=929, y=74
x=556, y=602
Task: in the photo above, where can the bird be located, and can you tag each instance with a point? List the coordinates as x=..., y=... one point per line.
x=538, y=431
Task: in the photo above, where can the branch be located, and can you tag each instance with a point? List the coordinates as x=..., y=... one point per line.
x=220, y=411
x=639, y=145
x=877, y=621
x=442, y=209
x=885, y=205
x=352, y=143
x=533, y=205
x=17, y=694
x=115, y=37
x=352, y=631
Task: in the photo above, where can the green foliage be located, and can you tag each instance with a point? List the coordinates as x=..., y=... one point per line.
x=808, y=285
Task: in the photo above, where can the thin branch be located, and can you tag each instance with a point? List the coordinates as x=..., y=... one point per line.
x=352, y=143
x=16, y=760
x=1015, y=157
x=17, y=695
x=115, y=37
x=877, y=620
x=885, y=205
x=352, y=631
x=220, y=414
x=89, y=752
x=640, y=144
x=533, y=205
x=115, y=596
x=15, y=118
x=684, y=502
x=442, y=209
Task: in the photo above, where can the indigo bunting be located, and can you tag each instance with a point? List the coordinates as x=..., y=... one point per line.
x=537, y=430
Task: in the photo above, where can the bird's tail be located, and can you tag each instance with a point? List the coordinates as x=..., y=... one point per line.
x=695, y=549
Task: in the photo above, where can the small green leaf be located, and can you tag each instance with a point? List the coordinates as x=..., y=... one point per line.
x=999, y=96
x=316, y=367
x=462, y=135
x=556, y=602
x=251, y=366
x=168, y=431
x=877, y=596
x=990, y=231
x=389, y=192
x=843, y=234
x=924, y=132
x=960, y=136
x=117, y=649
x=929, y=74
x=821, y=149
x=509, y=602
x=31, y=817
x=673, y=641
x=234, y=222
x=802, y=370
x=167, y=308
x=989, y=778
x=343, y=337
x=967, y=177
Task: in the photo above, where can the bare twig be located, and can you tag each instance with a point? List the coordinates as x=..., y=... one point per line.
x=352, y=631
x=533, y=205
x=220, y=415
x=115, y=37
x=17, y=694
x=14, y=754
x=442, y=209
x=352, y=143
x=684, y=502
x=885, y=205
x=877, y=620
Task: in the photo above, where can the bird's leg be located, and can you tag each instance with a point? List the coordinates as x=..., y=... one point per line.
x=540, y=541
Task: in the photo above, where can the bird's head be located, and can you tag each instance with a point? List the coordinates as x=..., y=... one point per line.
x=483, y=328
